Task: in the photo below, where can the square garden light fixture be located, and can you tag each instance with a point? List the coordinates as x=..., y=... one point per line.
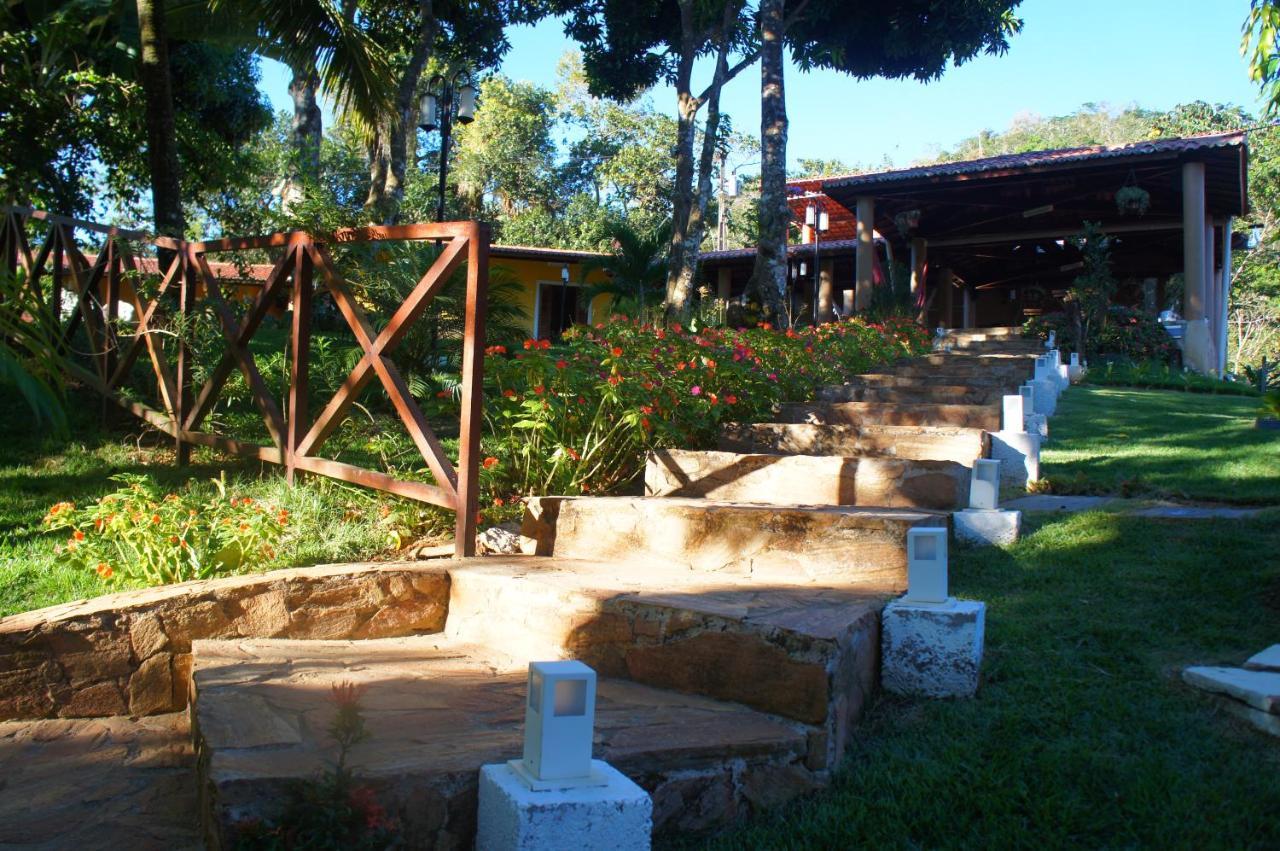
x=559, y=725
x=926, y=566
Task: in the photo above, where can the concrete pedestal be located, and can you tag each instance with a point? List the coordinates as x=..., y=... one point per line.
x=1038, y=424
x=511, y=816
x=990, y=528
x=1045, y=396
x=1019, y=455
x=1064, y=376
x=932, y=651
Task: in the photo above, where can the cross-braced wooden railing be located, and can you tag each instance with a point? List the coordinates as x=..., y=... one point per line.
x=184, y=275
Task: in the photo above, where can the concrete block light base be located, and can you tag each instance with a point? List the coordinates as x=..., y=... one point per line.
x=987, y=528
x=932, y=651
x=512, y=816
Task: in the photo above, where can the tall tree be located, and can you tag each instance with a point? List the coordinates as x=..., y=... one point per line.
x=911, y=38
x=628, y=46
x=1260, y=45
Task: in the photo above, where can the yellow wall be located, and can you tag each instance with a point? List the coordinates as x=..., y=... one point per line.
x=530, y=272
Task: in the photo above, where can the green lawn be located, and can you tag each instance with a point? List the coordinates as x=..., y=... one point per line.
x=1161, y=443
x=1081, y=735
x=331, y=521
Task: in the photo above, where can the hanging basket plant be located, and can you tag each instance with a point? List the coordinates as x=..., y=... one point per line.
x=907, y=221
x=1133, y=200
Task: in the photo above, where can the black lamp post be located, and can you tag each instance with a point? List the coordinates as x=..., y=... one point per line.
x=815, y=216
x=448, y=98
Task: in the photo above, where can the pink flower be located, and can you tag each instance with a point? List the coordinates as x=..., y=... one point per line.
x=695, y=390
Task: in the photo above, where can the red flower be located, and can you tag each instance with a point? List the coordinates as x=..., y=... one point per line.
x=544, y=344
x=617, y=351
x=496, y=350
x=104, y=570
x=572, y=453
x=508, y=393
x=539, y=389
x=561, y=364
x=530, y=343
x=490, y=462
x=78, y=535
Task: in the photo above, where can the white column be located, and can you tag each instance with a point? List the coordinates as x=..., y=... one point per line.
x=919, y=261
x=966, y=308
x=865, y=259
x=826, y=281
x=1196, y=341
x=1224, y=313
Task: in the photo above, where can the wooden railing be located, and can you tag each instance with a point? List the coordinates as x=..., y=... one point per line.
x=184, y=274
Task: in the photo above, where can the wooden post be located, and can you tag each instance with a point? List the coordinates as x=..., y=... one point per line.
x=182, y=392
x=472, y=390
x=919, y=264
x=864, y=257
x=299, y=358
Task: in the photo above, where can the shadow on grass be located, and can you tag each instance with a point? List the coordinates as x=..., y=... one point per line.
x=1081, y=734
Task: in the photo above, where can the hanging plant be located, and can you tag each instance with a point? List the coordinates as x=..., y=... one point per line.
x=1133, y=200
x=907, y=221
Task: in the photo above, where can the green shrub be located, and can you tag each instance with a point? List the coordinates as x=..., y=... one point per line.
x=1161, y=376
x=1127, y=333
x=578, y=418
x=141, y=536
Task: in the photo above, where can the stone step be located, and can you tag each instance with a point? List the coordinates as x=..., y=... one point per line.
x=804, y=653
x=977, y=366
x=904, y=393
x=995, y=332
x=436, y=711
x=915, y=443
x=935, y=378
x=807, y=479
x=835, y=545
x=874, y=413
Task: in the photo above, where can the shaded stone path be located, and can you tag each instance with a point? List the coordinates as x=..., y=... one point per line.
x=98, y=783
x=1159, y=509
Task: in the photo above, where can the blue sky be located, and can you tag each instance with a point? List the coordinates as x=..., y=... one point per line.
x=1150, y=53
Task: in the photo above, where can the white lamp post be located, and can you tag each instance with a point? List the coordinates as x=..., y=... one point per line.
x=559, y=725
x=926, y=566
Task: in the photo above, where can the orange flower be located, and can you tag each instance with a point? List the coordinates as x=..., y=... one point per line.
x=572, y=453
x=499, y=501
x=490, y=462
x=78, y=535
x=617, y=351
x=155, y=518
x=283, y=517
x=530, y=343
x=104, y=570
x=544, y=344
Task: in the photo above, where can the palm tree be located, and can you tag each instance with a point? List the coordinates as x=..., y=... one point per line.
x=637, y=267
x=317, y=36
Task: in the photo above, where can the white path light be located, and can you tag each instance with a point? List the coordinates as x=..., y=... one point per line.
x=926, y=566
x=1013, y=414
x=559, y=724
x=984, y=485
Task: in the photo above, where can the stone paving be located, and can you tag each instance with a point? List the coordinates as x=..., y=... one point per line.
x=99, y=783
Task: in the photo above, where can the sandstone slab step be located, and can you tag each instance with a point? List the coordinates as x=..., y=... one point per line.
x=874, y=413
x=916, y=443
x=801, y=652
x=915, y=394
x=436, y=711
x=807, y=479
x=838, y=545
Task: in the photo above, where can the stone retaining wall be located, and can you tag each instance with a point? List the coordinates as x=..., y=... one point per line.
x=130, y=653
x=807, y=479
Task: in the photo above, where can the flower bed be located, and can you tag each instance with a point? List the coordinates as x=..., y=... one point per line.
x=578, y=418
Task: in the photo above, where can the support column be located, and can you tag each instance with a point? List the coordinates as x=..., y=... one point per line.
x=1196, y=340
x=724, y=283
x=1224, y=315
x=826, y=280
x=919, y=263
x=966, y=308
x=1210, y=298
x=948, y=299
x=865, y=259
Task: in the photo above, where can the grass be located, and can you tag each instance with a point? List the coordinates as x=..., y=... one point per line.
x=1081, y=735
x=331, y=522
x=1161, y=376
x=1162, y=444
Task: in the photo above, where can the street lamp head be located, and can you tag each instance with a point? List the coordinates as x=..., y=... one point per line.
x=731, y=185
x=466, y=90
x=824, y=222
x=810, y=215
x=428, y=109
x=564, y=274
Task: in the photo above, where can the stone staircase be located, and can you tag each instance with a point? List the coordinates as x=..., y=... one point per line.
x=733, y=614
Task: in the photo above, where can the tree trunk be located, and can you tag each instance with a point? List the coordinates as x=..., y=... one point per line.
x=768, y=284
x=162, y=142
x=306, y=136
x=686, y=130
x=690, y=208
x=389, y=157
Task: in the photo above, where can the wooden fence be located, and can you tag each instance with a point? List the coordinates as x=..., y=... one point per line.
x=59, y=266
